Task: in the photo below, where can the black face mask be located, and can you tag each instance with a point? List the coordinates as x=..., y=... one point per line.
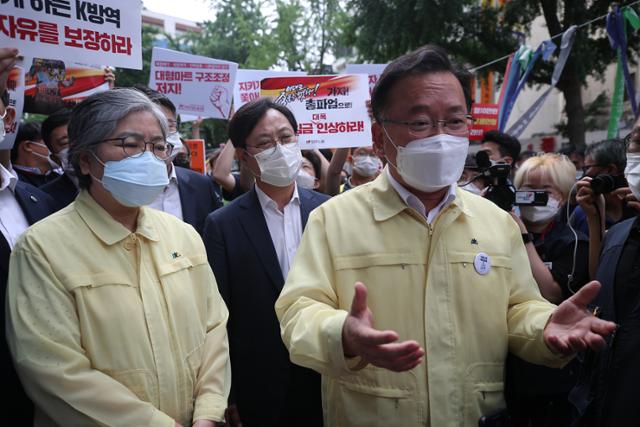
x=182, y=161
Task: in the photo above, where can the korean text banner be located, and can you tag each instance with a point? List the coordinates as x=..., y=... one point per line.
x=372, y=70
x=50, y=84
x=197, y=85
x=486, y=119
x=97, y=32
x=15, y=87
x=247, y=86
x=330, y=110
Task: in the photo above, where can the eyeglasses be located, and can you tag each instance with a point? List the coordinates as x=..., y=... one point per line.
x=134, y=146
x=269, y=146
x=585, y=168
x=454, y=125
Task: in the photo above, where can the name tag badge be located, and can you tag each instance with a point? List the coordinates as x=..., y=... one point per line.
x=482, y=264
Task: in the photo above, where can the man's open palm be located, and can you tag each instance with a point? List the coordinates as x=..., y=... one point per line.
x=573, y=328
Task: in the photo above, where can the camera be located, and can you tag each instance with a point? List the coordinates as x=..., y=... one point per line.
x=603, y=184
x=501, y=191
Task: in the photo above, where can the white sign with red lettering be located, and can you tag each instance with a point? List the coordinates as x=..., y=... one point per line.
x=247, y=87
x=330, y=110
x=105, y=31
x=372, y=70
x=197, y=85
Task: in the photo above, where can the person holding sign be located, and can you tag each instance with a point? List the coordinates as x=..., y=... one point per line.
x=407, y=293
x=114, y=317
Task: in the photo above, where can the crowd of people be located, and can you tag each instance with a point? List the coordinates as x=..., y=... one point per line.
x=370, y=286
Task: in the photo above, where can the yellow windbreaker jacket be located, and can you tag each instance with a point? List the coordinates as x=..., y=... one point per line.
x=462, y=288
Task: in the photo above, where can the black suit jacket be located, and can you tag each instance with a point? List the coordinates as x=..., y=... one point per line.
x=267, y=388
x=37, y=180
x=62, y=190
x=198, y=197
x=35, y=205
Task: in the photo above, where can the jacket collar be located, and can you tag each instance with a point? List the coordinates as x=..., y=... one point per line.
x=108, y=229
x=387, y=203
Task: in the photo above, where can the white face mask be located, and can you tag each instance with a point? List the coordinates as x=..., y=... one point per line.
x=366, y=165
x=63, y=155
x=280, y=167
x=540, y=214
x=430, y=164
x=632, y=173
x=305, y=180
x=174, y=139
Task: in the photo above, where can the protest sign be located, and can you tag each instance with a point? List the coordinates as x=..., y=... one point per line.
x=197, y=85
x=50, y=84
x=372, y=70
x=486, y=119
x=197, y=154
x=15, y=87
x=330, y=110
x=108, y=31
x=247, y=85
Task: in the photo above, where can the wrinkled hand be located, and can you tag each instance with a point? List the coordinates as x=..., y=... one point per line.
x=232, y=416
x=8, y=58
x=625, y=194
x=572, y=328
x=380, y=348
x=589, y=202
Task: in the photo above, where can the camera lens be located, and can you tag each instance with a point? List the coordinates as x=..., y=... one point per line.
x=603, y=184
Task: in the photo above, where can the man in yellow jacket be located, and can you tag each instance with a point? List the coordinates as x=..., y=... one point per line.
x=407, y=293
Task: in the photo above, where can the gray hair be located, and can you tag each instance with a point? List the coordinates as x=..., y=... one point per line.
x=609, y=151
x=97, y=117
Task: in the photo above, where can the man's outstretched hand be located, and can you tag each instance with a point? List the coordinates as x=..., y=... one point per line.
x=572, y=328
x=380, y=348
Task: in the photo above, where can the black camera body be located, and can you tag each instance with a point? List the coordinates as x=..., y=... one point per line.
x=604, y=184
x=501, y=191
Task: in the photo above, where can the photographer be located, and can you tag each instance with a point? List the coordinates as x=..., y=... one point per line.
x=558, y=259
x=603, y=396
x=605, y=158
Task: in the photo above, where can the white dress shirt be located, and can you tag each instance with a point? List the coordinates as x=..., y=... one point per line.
x=285, y=227
x=169, y=200
x=413, y=202
x=12, y=220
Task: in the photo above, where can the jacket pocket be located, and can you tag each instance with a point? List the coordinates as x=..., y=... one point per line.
x=376, y=396
x=484, y=389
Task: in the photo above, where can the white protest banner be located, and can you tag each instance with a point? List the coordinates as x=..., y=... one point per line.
x=197, y=85
x=372, y=70
x=247, y=86
x=15, y=87
x=330, y=110
x=105, y=31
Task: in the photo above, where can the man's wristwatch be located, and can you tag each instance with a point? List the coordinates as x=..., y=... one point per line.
x=526, y=238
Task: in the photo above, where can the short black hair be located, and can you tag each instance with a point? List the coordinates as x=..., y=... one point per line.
x=59, y=118
x=424, y=60
x=26, y=132
x=315, y=162
x=507, y=144
x=156, y=97
x=247, y=117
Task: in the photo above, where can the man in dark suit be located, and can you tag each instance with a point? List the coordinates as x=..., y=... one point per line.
x=250, y=245
x=21, y=205
x=64, y=189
